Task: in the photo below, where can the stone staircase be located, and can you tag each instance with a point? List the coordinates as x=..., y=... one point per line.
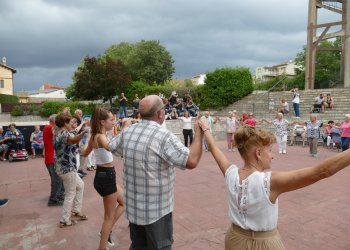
x=264, y=104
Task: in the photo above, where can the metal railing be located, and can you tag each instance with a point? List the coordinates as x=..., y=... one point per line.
x=268, y=93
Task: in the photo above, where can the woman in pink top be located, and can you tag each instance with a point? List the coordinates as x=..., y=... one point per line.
x=345, y=133
x=253, y=189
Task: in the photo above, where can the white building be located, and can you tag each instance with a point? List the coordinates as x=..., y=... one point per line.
x=266, y=73
x=199, y=79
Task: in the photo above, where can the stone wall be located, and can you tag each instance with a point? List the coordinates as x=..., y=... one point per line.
x=175, y=126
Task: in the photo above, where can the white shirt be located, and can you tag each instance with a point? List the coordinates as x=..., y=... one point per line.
x=296, y=98
x=249, y=203
x=187, y=122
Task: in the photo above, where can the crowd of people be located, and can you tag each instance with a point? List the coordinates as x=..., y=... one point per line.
x=149, y=167
x=175, y=106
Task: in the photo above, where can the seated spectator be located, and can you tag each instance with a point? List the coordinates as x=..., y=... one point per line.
x=173, y=115
x=318, y=106
x=167, y=106
x=36, y=140
x=3, y=146
x=192, y=108
x=179, y=107
x=187, y=98
x=173, y=98
x=298, y=130
x=283, y=107
x=327, y=136
x=328, y=103
x=15, y=139
x=161, y=95
x=336, y=135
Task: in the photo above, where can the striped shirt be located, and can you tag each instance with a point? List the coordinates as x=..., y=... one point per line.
x=150, y=154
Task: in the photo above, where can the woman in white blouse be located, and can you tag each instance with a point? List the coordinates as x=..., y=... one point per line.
x=187, y=127
x=253, y=193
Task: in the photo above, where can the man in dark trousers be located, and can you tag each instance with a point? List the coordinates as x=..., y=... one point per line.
x=57, y=189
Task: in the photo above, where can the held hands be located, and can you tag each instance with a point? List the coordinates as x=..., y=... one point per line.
x=203, y=124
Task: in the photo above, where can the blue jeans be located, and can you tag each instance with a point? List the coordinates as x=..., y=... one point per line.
x=345, y=143
x=296, y=109
x=123, y=109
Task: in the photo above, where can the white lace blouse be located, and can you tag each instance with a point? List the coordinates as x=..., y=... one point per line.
x=249, y=203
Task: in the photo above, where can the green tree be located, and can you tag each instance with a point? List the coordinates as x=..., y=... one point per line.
x=147, y=61
x=120, y=52
x=99, y=78
x=327, y=64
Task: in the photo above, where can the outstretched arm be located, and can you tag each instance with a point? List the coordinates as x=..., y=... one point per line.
x=218, y=155
x=282, y=182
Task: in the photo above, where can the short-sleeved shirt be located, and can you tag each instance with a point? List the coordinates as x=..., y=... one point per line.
x=230, y=124
x=251, y=122
x=65, y=154
x=281, y=127
x=345, y=129
x=313, y=130
x=150, y=154
x=187, y=122
x=48, y=144
x=37, y=136
x=210, y=121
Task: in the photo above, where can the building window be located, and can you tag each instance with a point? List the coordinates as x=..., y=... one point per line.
x=2, y=84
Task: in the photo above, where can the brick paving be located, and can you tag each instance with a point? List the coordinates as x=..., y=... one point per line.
x=316, y=217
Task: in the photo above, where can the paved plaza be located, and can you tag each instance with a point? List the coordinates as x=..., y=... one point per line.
x=316, y=217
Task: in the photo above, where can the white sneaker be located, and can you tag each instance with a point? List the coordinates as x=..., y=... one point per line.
x=280, y=152
x=284, y=152
x=229, y=150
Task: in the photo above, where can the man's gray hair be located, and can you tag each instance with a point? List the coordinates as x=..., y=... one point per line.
x=52, y=118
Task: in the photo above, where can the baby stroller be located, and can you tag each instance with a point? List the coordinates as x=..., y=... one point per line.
x=17, y=148
x=336, y=137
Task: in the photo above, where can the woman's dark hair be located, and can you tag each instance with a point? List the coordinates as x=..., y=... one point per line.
x=62, y=118
x=247, y=137
x=98, y=115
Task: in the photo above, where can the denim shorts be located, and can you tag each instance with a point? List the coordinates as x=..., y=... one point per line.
x=105, y=181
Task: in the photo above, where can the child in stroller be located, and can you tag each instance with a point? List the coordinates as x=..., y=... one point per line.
x=15, y=142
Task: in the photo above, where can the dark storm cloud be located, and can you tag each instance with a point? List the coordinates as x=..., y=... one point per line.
x=45, y=40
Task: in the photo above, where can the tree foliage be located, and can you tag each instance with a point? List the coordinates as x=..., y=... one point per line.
x=327, y=64
x=147, y=61
x=99, y=78
x=224, y=86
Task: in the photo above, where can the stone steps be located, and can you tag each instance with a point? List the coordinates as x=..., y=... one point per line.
x=264, y=104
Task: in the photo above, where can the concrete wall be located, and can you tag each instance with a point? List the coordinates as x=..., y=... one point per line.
x=175, y=126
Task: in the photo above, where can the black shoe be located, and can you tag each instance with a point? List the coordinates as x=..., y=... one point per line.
x=82, y=172
x=4, y=202
x=55, y=203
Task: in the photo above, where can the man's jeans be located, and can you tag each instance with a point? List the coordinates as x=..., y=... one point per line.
x=57, y=189
x=296, y=109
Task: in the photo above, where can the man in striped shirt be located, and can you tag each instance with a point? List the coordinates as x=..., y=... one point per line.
x=150, y=154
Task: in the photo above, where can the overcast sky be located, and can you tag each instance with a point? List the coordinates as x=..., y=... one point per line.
x=44, y=40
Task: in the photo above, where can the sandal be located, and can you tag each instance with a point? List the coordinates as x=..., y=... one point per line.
x=67, y=224
x=79, y=216
x=90, y=169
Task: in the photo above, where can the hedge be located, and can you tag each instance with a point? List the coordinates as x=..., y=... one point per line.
x=54, y=107
x=8, y=99
x=223, y=87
